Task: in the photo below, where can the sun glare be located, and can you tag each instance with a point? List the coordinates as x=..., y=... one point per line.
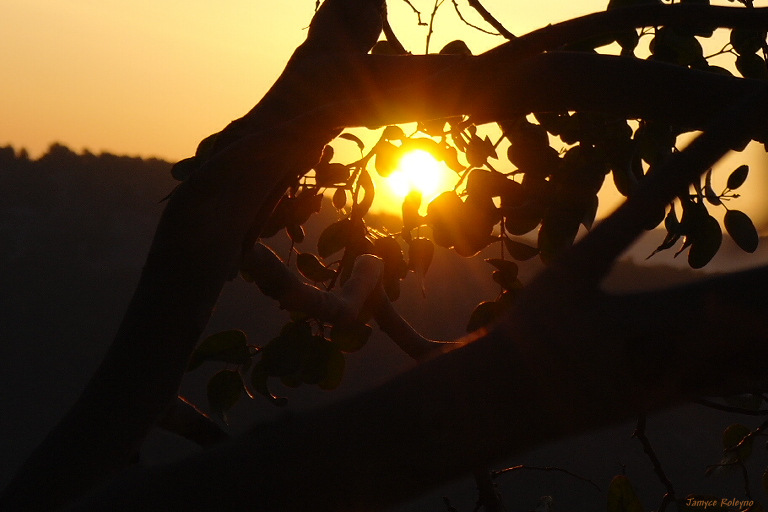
x=418, y=170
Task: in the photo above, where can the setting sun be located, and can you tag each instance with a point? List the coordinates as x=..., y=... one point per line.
x=418, y=170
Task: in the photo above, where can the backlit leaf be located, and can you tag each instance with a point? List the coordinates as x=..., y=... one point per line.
x=350, y=336
x=706, y=238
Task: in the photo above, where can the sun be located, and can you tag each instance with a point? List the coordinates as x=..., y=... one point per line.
x=418, y=170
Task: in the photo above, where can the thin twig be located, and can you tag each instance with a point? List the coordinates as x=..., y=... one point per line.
x=417, y=12
x=438, y=3
x=729, y=408
x=488, y=17
x=499, y=472
x=466, y=22
x=639, y=433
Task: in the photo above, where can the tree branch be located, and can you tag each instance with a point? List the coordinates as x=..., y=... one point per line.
x=498, y=396
x=364, y=287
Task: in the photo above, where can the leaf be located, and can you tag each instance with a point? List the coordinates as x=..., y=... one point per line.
x=285, y=354
x=387, y=158
x=334, y=238
x=353, y=138
x=224, y=390
x=742, y=230
x=334, y=371
x=733, y=435
x=259, y=378
x=411, y=217
x=508, y=268
x=519, y=250
x=393, y=133
x=747, y=40
x=457, y=47
x=705, y=241
x=226, y=346
x=295, y=233
x=312, y=268
x=622, y=497
x=350, y=336
x=384, y=47
x=339, y=198
x=751, y=65
x=738, y=177
x=420, y=254
x=484, y=314
x=366, y=185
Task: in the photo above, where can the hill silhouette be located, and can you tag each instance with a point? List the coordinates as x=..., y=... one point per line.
x=74, y=231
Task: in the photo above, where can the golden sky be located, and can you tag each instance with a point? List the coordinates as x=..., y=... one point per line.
x=152, y=78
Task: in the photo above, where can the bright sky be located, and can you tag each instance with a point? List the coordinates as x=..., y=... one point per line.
x=152, y=78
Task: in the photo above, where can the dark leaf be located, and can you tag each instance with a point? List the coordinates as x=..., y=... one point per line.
x=334, y=371
x=295, y=233
x=735, y=434
x=351, y=336
x=224, y=390
x=706, y=238
x=411, y=217
x=484, y=314
x=353, y=138
x=259, y=378
x=387, y=158
x=742, y=230
x=751, y=65
x=339, y=198
x=393, y=133
x=420, y=253
x=334, y=238
x=508, y=268
x=457, y=47
x=226, y=346
x=363, y=205
x=312, y=268
x=738, y=177
x=622, y=497
x=519, y=250
x=747, y=40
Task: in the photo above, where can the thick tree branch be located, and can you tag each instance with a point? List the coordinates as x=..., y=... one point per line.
x=498, y=396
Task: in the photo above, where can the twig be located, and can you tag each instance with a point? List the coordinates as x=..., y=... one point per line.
x=487, y=495
x=729, y=408
x=417, y=12
x=488, y=17
x=186, y=420
x=438, y=3
x=639, y=433
x=500, y=472
x=466, y=22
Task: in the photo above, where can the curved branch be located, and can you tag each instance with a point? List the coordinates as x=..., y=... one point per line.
x=363, y=287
